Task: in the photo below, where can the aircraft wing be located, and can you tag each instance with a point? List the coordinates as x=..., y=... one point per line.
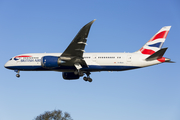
x=74, y=52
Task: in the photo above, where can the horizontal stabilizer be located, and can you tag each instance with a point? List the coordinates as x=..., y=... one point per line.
x=157, y=54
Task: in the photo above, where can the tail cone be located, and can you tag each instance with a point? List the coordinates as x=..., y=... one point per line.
x=168, y=60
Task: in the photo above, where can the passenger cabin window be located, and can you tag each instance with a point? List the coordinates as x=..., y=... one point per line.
x=106, y=57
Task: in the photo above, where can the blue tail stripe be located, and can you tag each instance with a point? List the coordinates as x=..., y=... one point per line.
x=156, y=45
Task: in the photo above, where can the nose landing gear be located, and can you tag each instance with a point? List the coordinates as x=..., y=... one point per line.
x=17, y=75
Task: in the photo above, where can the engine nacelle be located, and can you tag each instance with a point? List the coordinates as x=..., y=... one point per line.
x=70, y=75
x=51, y=61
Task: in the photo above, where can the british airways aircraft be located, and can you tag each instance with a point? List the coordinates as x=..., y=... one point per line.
x=74, y=63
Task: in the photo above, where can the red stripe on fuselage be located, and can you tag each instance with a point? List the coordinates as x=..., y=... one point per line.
x=22, y=56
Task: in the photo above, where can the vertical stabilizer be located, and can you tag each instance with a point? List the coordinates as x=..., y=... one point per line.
x=156, y=42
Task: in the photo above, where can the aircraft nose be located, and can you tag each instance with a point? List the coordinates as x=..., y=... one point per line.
x=7, y=65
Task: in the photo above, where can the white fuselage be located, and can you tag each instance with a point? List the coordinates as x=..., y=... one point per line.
x=95, y=62
x=74, y=63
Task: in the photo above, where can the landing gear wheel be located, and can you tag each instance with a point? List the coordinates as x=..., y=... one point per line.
x=89, y=79
x=85, y=79
x=17, y=75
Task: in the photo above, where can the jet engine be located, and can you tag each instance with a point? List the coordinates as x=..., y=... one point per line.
x=70, y=76
x=51, y=61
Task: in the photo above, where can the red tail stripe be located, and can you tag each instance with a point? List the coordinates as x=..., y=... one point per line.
x=147, y=51
x=162, y=34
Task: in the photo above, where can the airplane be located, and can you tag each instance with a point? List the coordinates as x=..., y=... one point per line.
x=75, y=63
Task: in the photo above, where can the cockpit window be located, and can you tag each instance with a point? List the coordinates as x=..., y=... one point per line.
x=11, y=59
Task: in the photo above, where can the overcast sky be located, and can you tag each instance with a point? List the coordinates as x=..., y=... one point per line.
x=38, y=26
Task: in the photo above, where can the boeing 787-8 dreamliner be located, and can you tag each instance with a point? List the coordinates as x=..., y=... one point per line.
x=74, y=63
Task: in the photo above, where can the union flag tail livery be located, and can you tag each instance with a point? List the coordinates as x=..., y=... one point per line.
x=74, y=63
x=156, y=42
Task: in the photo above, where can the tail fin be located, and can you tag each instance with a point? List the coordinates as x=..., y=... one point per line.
x=156, y=42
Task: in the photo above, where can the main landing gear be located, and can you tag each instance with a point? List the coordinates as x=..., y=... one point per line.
x=17, y=75
x=87, y=78
x=80, y=73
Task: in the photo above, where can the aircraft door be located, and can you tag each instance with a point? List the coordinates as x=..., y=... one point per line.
x=94, y=57
x=129, y=59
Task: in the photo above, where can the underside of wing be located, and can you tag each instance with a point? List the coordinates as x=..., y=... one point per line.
x=76, y=47
x=74, y=52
